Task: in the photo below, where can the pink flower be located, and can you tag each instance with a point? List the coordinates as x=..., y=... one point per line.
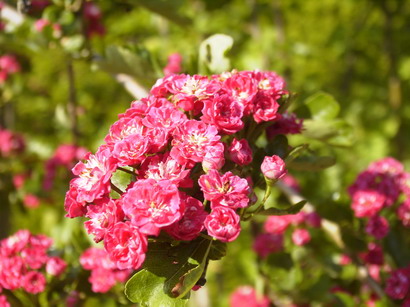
x=191, y=141
x=277, y=224
x=345, y=260
x=301, y=237
x=131, y=150
x=265, y=108
x=313, y=220
x=163, y=167
x=287, y=124
x=223, y=224
x=152, y=205
x=403, y=213
x=94, y=175
x=378, y=227
x=367, y=203
x=223, y=112
x=192, y=222
x=404, y=183
x=173, y=65
x=240, y=152
x=3, y=301
x=40, y=24
x=291, y=182
x=9, y=64
x=398, y=284
x=273, y=167
x=102, y=280
x=103, y=215
x=10, y=143
x=243, y=88
x=31, y=201
x=94, y=258
x=225, y=190
x=126, y=246
x=267, y=243
x=166, y=118
x=34, y=282
x=246, y=296
x=214, y=157
x=374, y=255
x=55, y=266
x=73, y=207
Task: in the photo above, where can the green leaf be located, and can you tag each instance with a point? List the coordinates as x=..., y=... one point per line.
x=280, y=260
x=167, y=9
x=278, y=146
x=169, y=273
x=334, y=132
x=296, y=152
x=291, y=210
x=217, y=251
x=212, y=54
x=312, y=163
x=322, y=106
x=136, y=63
x=122, y=179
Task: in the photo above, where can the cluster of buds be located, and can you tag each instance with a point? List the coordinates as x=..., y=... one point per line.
x=377, y=188
x=8, y=66
x=188, y=150
x=104, y=273
x=23, y=258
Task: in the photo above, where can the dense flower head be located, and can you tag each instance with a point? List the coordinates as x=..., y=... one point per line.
x=246, y=296
x=23, y=260
x=377, y=226
x=104, y=273
x=176, y=164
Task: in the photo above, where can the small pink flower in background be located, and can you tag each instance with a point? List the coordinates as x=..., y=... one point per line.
x=40, y=24
x=240, y=152
x=273, y=167
x=173, y=65
x=403, y=213
x=367, y=203
x=19, y=180
x=287, y=124
x=398, y=284
x=223, y=224
x=55, y=266
x=345, y=260
x=10, y=143
x=378, y=227
x=301, y=237
x=9, y=64
x=31, y=201
x=246, y=296
x=313, y=219
x=291, y=182
x=374, y=255
x=267, y=243
x=277, y=224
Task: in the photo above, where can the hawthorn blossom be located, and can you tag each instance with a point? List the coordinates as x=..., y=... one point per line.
x=301, y=237
x=398, y=284
x=192, y=221
x=367, y=203
x=377, y=226
x=151, y=205
x=273, y=167
x=246, y=296
x=223, y=224
x=126, y=245
x=267, y=243
x=225, y=190
x=240, y=152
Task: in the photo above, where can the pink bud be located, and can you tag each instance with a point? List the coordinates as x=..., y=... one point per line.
x=240, y=152
x=31, y=201
x=301, y=237
x=273, y=167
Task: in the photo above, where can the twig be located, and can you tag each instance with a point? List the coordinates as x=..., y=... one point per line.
x=116, y=189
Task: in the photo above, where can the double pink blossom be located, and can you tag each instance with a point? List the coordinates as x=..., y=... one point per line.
x=223, y=224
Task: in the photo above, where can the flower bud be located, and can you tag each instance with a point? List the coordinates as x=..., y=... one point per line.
x=240, y=152
x=273, y=168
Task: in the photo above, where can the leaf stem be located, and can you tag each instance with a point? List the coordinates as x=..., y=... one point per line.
x=126, y=170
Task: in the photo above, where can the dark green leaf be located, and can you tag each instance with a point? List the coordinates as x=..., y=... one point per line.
x=217, y=251
x=167, y=9
x=280, y=260
x=312, y=163
x=291, y=210
x=169, y=273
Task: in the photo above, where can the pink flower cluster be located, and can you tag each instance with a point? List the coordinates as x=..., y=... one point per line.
x=23, y=256
x=174, y=145
x=398, y=285
x=104, y=272
x=10, y=143
x=8, y=66
x=379, y=187
x=246, y=296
